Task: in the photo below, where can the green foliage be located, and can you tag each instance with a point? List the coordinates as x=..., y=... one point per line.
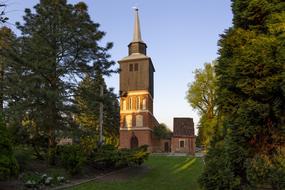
x=202, y=95
x=38, y=181
x=109, y=156
x=58, y=45
x=72, y=158
x=88, y=101
x=88, y=144
x=23, y=155
x=251, y=97
x=8, y=164
x=207, y=128
x=217, y=174
x=162, y=132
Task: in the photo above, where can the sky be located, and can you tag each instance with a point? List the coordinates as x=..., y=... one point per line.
x=181, y=36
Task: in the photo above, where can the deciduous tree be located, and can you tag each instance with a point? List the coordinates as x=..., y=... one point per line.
x=201, y=95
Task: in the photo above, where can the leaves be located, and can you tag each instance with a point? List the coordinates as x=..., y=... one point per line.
x=202, y=96
x=250, y=96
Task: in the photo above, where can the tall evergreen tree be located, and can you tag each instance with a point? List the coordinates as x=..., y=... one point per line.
x=88, y=101
x=6, y=43
x=59, y=43
x=251, y=96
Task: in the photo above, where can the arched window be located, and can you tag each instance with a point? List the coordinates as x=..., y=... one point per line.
x=128, y=121
x=139, y=120
x=138, y=103
x=130, y=103
x=124, y=105
x=134, y=142
x=144, y=104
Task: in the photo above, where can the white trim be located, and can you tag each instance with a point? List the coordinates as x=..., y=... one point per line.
x=135, y=129
x=135, y=111
x=139, y=92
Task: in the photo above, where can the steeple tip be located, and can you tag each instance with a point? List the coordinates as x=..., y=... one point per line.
x=137, y=31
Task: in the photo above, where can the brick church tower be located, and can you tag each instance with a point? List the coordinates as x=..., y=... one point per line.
x=136, y=94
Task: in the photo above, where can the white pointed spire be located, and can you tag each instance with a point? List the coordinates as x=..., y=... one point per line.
x=137, y=31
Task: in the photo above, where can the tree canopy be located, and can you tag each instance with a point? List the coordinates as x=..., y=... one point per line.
x=58, y=47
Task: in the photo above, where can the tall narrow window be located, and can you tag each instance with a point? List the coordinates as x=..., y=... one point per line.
x=144, y=104
x=130, y=103
x=124, y=105
x=136, y=67
x=128, y=121
x=138, y=103
x=139, y=121
x=131, y=67
x=181, y=143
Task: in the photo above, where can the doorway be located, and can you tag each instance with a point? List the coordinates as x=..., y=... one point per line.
x=166, y=147
x=134, y=142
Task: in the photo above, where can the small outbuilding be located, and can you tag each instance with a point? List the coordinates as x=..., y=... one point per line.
x=183, y=139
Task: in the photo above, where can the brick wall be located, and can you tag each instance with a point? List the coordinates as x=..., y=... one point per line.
x=189, y=145
x=144, y=138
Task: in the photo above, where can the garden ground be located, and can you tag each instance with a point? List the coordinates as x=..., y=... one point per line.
x=158, y=172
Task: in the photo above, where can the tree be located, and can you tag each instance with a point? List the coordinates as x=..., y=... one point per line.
x=88, y=101
x=5, y=43
x=3, y=17
x=59, y=43
x=8, y=164
x=162, y=131
x=251, y=97
x=201, y=95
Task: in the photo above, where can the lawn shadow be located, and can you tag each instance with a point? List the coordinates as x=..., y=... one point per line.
x=184, y=165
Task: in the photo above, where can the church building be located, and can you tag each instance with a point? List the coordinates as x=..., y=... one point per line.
x=136, y=98
x=136, y=94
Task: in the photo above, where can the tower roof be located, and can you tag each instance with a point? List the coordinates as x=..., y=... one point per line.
x=137, y=31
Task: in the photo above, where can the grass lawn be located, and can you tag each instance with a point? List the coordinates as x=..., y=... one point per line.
x=165, y=173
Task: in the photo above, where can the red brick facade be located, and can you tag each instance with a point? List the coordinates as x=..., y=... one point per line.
x=136, y=119
x=183, y=139
x=188, y=145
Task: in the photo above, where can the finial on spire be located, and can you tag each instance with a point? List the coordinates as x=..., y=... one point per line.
x=137, y=31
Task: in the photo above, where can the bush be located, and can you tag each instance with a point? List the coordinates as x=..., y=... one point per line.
x=109, y=156
x=23, y=155
x=8, y=164
x=88, y=144
x=72, y=158
x=105, y=157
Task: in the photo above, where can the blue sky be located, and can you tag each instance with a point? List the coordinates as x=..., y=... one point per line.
x=181, y=36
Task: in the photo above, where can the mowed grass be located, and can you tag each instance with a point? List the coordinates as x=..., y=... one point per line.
x=167, y=173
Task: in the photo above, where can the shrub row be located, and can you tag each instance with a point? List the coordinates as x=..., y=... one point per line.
x=107, y=156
